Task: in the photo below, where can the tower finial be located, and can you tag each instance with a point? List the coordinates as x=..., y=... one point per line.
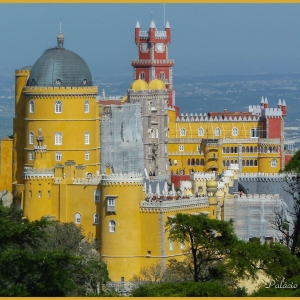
x=60, y=37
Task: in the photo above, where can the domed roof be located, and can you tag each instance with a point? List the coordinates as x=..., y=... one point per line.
x=212, y=184
x=60, y=67
x=157, y=84
x=138, y=85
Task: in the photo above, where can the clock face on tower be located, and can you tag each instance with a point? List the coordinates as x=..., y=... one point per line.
x=144, y=47
x=160, y=47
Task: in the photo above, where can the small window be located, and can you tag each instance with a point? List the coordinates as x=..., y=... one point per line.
x=96, y=195
x=254, y=133
x=49, y=194
x=181, y=245
x=86, y=107
x=201, y=132
x=77, y=218
x=31, y=155
x=58, y=107
x=217, y=132
x=30, y=194
x=58, y=156
x=181, y=148
x=171, y=245
x=198, y=148
x=31, y=106
x=235, y=131
x=111, y=204
x=112, y=226
x=182, y=132
x=96, y=219
x=39, y=194
x=57, y=138
x=31, y=138
x=142, y=75
x=273, y=163
x=162, y=75
x=86, y=138
x=87, y=155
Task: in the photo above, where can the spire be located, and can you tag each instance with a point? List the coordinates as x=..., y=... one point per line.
x=266, y=100
x=152, y=24
x=60, y=38
x=262, y=100
x=283, y=103
x=103, y=94
x=137, y=24
x=167, y=25
x=279, y=102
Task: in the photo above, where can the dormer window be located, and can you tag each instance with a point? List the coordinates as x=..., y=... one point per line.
x=84, y=81
x=58, y=82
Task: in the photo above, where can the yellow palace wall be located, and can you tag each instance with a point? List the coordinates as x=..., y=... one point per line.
x=183, y=147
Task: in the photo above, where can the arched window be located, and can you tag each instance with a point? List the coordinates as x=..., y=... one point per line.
x=188, y=162
x=86, y=106
x=247, y=163
x=224, y=163
x=182, y=132
x=95, y=219
x=142, y=75
x=217, y=131
x=86, y=138
x=77, y=219
x=31, y=106
x=251, y=163
x=247, y=149
x=235, y=131
x=162, y=75
x=31, y=138
x=255, y=162
x=58, y=107
x=243, y=149
x=96, y=195
x=200, y=131
x=156, y=133
x=112, y=226
x=273, y=163
x=255, y=149
x=57, y=138
x=58, y=156
x=197, y=162
x=193, y=161
x=243, y=163
x=251, y=149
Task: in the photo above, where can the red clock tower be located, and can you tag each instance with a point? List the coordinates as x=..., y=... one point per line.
x=153, y=61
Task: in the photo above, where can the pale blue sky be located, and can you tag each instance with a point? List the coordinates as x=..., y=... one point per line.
x=207, y=39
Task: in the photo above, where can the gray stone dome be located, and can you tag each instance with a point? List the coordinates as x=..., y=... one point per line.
x=60, y=67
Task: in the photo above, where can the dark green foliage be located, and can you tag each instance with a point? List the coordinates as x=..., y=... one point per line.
x=294, y=164
x=44, y=258
x=184, y=289
x=208, y=240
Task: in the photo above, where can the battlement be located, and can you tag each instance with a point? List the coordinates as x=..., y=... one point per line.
x=31, y=173
x=220, y=118
x=60, y=89
x=89, y=180
x=272, y=112
x=261, y=177
x=130, y=178
x=258, y=197
x=173, y=204
x=202, y=176
x=22, y=72
x=149, y=62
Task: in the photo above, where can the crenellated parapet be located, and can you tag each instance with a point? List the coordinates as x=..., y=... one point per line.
x=258, y=197
x=205, y=118
x=174, y=205
x=58, y=90
x=89, y=180
x=32, y=173
x=261, y=177
x=120, y=179
x=203, y=176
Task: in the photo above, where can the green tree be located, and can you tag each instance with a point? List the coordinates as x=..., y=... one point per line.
x=288, y=222
x=207, y=240
x=36, y=261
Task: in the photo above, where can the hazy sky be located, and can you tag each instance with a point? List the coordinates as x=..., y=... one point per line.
x=207, y=39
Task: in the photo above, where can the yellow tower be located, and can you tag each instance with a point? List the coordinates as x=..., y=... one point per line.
x=56, y=96
x=120, y=230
